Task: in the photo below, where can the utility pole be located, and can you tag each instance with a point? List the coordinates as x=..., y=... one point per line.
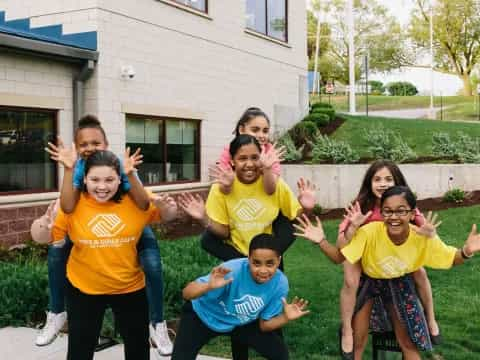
x=351, y=56
x=432, y=110
x=316, y=81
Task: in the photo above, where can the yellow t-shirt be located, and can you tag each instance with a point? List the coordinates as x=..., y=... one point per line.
x=382, y=259
x=249, y=211
x=103, y=259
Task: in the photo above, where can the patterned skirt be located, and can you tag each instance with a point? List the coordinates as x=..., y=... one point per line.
x=401, y=294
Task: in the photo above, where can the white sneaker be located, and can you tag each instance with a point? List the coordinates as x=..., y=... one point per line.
x=53, y=325
x=160, y=338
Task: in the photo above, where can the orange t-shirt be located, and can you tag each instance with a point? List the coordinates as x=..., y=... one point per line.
x=105, y=236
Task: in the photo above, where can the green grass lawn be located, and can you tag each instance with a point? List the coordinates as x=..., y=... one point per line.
x=417, y=133
x=312, y=276
x=381, y=102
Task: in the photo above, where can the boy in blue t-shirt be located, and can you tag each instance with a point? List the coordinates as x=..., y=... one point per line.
x=242, y=298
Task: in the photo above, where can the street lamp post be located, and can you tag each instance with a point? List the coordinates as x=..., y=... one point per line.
x=432, y=110
x=351, y=56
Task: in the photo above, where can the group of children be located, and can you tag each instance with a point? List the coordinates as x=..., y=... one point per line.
x=103, y=253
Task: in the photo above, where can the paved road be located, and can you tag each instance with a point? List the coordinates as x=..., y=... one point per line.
x=406, y=113
x=19, y=344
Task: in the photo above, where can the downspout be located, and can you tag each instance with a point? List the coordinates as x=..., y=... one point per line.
x=79, y=91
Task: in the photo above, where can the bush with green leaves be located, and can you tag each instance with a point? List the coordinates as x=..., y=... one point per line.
x=454, y=195
x=24, y=292
x=463, y=148
x=376, y=87
x=401, y=88
x=385, y=144
x=292, y=153
x=337, y=152
x=322, y=105
x=303, y=131
x=319, y=119
x=326, y=111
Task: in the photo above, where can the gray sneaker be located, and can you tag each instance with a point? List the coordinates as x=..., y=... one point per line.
x=53, y=325
x=160, y=338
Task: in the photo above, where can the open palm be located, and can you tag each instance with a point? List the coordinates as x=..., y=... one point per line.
x=307, y=230
x=355, y=216
x=192, y=205
x=296, y=309
x=429, y=227
x=65, y=156
x=306, y=194
x=217, y=277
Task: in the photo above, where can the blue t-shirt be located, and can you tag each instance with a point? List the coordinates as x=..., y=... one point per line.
x=79, y=174
x=243, y=300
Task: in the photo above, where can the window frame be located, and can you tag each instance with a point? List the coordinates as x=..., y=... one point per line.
x=55, y=113
x=266, y=35
x=180, y=5
x=164, y=120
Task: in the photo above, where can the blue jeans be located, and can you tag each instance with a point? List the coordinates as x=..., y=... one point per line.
x=149, y=259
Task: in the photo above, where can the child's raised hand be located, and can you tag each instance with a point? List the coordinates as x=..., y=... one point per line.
x=472, y=245
x=217, y=277
x=192, y=205
x=166, y=204
x=51, y=214
x=296, y=309
x=220, y=175
x=354, y=215
x=306, y=193
x=131, y=162
x=307, y=230
x=65, y=156
x=272, y=156
x=429, y=227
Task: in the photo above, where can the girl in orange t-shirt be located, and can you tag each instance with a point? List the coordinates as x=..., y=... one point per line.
x=103, y=268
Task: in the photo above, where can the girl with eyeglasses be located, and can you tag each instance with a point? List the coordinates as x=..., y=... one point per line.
x=380, y=176
x=390, y=252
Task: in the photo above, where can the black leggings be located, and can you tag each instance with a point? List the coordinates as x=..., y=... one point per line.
x=85, y=316
x=193, y=334
x=282, y=229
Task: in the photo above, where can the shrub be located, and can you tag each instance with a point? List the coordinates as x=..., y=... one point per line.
x=401, y=88
x=302, y=132
x=454, y=195
x=291, y=152
x=376, y=87
x=338, y=152
x=321, y=105
x=24, y=293
x=320, y=119
x=184, y=260
x=385, y=144
x=464, y=148
x=326, y=111
x=442, y=145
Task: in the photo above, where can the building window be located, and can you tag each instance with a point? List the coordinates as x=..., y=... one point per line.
x=24, y=164
x=170, y=148
x=200, y=5
x=268, y=17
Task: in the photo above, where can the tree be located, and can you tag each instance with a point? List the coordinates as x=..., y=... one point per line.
x=456, y=35
x=401, y=88
x=376, y=33
x=376, y=87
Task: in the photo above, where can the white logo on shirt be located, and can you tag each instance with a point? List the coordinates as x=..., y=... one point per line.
x=249, y=209
x=247, y=307
x=106, y=225
x=393, y=266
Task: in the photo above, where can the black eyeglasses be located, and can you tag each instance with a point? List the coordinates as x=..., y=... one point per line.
x=400, y=212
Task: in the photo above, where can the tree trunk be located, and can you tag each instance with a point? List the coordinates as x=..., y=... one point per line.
x=467, y=85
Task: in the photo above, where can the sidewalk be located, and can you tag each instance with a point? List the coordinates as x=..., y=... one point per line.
x=19, y=344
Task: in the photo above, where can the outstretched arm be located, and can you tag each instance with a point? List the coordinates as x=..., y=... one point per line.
x=217, y=280
x=355, y=220
x=195, y=207
x=306, y=195
x=470, y=248
x=268, y=158
x=167, y=206
x=315, y=234
x=137, y=191
x=69, y=195
x=295, y=310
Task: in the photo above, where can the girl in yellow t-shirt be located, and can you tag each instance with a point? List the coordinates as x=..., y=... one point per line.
x=103, y=268
x=247, y=210
x=389, y=252
x=381, y=175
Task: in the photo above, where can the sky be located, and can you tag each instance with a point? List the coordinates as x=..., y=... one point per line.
x=444, y=84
